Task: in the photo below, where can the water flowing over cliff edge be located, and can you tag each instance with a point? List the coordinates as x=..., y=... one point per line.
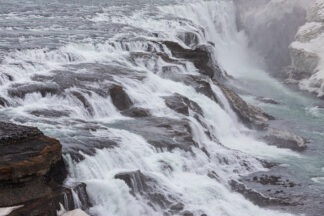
x=140, y=96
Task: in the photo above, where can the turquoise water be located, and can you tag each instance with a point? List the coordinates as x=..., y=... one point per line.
x=298, y=112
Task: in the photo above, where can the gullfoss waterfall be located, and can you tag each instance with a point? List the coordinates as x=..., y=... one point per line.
x=169, y=161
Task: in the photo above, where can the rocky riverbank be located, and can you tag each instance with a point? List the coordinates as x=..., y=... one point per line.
x=32, y=173
x=307, y=54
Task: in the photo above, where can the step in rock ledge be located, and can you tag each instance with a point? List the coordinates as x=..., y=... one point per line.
x=31, y=169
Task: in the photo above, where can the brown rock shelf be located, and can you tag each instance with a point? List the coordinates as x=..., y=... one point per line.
x=32, y=172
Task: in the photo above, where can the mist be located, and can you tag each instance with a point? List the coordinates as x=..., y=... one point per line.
x=271, y=26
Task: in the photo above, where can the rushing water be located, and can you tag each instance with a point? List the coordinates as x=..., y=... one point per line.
x=56, y=51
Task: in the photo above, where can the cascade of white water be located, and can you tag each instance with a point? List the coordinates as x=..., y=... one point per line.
x=188, y=182
x=141, y=59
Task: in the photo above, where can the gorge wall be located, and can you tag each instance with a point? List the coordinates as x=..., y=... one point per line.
x=307, y=52
x=271, y=26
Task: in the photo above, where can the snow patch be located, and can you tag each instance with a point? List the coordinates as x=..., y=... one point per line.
x=307, y=52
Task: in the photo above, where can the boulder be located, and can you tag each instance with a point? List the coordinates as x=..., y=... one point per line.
x=21, y=90
x=284, y=139
x=280, y=188
x=136, y=112
x=182, y=104
x=120, y=98
x=135, y=180
x=27, y=156
x=201, y=85
x=201, y=56
x=50, y=204
x=251, y=116
x=3, y=102
x=255, y=196
x=32, y=172
x=49, y=113
x=267, y=100
x=26, y=152
x=86, y=104
x=143, y=185
x=162, y=133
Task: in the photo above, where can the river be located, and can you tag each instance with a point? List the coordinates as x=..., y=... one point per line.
x=58, y=60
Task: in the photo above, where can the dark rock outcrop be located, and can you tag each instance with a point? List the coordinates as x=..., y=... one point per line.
x=200, y=56
x=49, y=113
x=32, y=172
x=84, y=102
x=254, y=196
x=162, y=133
x=136, y=181
x=182, y=104
x=251, y=116
x=200, y=84
x=147, y=187
x=3, y=102
x=136, y=112
x=267, y=100
x=22, y=90
x=120, y=98
x=50, y=204
x=284, y=139
x=27, y=156
x=255, y=118
x=280, y=188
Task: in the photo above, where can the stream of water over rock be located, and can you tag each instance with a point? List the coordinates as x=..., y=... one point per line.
x=59, y=60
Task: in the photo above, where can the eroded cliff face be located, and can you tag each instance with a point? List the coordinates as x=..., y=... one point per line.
x=32, y=173
x=271, y=26
x=307, y=52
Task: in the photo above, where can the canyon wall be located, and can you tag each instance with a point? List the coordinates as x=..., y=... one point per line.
x=271, y=26
x=307, y=52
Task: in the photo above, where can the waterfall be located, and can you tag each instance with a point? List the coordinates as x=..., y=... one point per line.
x=126, y=171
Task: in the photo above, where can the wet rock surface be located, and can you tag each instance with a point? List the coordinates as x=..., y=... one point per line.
x=31, y=171
x=284, y=139
x=200, y=56
x=49, y=113
x=254, y=196
x=149, y=188
x=21, y=90
x=251, y=116
x=280, y=188
x=50, y=204
x=3, y=102
x=267, y=100
x=136, y=112
x=136, y=181
x=120, y=98
x=255, y=118
x=162, y=133
x=82, y=99
x=84, y=142
x=182, y=104
x=200, y=84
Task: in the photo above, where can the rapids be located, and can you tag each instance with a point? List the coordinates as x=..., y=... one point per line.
x=58, y=60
